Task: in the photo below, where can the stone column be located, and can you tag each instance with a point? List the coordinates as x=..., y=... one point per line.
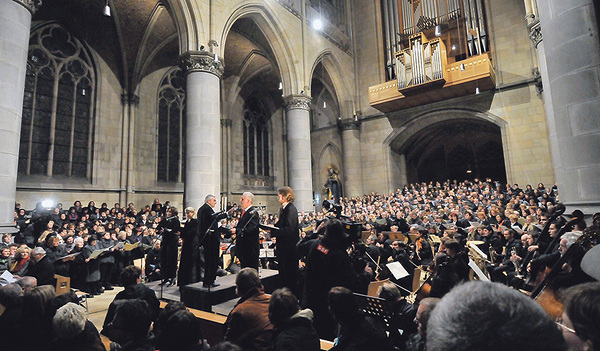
x=570, y=65
x=297, y=109
x=15, y=23
x=203, y=126
x=226, y=124
x=350, y=128
x=130, y=103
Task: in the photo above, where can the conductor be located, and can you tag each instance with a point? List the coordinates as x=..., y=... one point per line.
x=246, y=231
x=209, y=240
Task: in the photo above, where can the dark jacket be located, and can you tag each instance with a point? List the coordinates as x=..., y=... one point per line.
x=297, y=334
x=137, y=291
x=43, y=271
x=366, y=334
x=247, y=244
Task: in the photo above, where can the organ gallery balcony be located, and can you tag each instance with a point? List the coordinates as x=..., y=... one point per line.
x=425, y=84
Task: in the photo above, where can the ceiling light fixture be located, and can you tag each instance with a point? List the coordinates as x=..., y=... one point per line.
x=107, y=10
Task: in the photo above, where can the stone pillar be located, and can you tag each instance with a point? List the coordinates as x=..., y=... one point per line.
x=130, y=103
x=226, y=124
x=297, y=109
x=350, y=128
x=203, y=126
x=570, y=65
x=15, y=23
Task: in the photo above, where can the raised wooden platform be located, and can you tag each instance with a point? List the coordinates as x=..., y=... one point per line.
x=197, y=297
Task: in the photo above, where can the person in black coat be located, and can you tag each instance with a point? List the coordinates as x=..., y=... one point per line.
x=329, y=265
x=189, y=264
x=287, y=238
x=169, y=227
x=293, y=327
x=134, y=289
x=209, y=240
x=246, y=231
x=41, y=267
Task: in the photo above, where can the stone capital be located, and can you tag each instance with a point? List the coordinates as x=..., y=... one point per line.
x=202, y=61
x=226, y=122
x=297, y=101
x=535, y=31
x=130, y=99
x=348, y=124
x=31, y=5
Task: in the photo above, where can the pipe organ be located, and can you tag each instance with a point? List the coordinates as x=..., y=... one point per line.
x=459, y=23
x=423, y=62
x=434, y=50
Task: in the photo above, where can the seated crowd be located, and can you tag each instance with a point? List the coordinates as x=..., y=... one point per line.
x=514, y=237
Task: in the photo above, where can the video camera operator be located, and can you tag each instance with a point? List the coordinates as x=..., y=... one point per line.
x=328, y=264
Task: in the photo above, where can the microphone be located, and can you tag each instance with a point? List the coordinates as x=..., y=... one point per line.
x=219, y=215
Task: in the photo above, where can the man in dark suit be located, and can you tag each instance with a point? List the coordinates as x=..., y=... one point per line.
x=209, y=240
x=246, y=231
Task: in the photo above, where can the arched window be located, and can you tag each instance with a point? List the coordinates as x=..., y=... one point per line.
x=256, y=138
x=58, y=106
x=171, y=113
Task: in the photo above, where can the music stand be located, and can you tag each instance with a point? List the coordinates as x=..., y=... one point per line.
x=375, y=307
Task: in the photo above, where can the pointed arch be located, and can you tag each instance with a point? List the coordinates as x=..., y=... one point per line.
x=272, y=29
x=341, y=86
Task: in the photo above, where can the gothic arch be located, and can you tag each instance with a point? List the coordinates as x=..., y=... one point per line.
x=188, y=21
x=268, y=23
x=323, y=162
x=341, y=87
x=427, y=129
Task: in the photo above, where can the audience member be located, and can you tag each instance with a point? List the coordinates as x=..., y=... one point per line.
x=356, y=331
x=248, y=323
x=490, y=316
x=73, y=331
x=581, y=317
x=293, y=327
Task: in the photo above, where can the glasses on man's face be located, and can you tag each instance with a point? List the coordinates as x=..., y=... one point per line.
x=561, y=325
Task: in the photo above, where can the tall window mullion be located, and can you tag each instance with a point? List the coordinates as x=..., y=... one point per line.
x=170, y=128
x=53, y=144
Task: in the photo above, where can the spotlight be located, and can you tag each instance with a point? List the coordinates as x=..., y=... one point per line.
x=317, y=24
x=280, y=86
x=453, y=47
x=462, y=66
x=438, y=31
x=107, y=10
x=324, y=104
x=47, y=203
x=477, y=91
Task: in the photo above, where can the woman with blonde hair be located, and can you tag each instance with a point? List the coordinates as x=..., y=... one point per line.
x=19, y=263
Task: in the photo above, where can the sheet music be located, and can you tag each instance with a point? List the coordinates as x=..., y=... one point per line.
x=398, y=271
x=478, y=250
x=97, y=253
x=478, y=271
x=267, y=253
x=7, y=278
x=67, y=256
x=129, y=247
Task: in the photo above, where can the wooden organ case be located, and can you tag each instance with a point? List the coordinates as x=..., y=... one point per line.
x=435, y=50
x=422, y=65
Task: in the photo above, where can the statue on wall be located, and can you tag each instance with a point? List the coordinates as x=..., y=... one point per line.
x=332, y=188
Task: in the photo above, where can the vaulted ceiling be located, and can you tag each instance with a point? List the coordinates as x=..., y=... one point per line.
x=138, y=38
